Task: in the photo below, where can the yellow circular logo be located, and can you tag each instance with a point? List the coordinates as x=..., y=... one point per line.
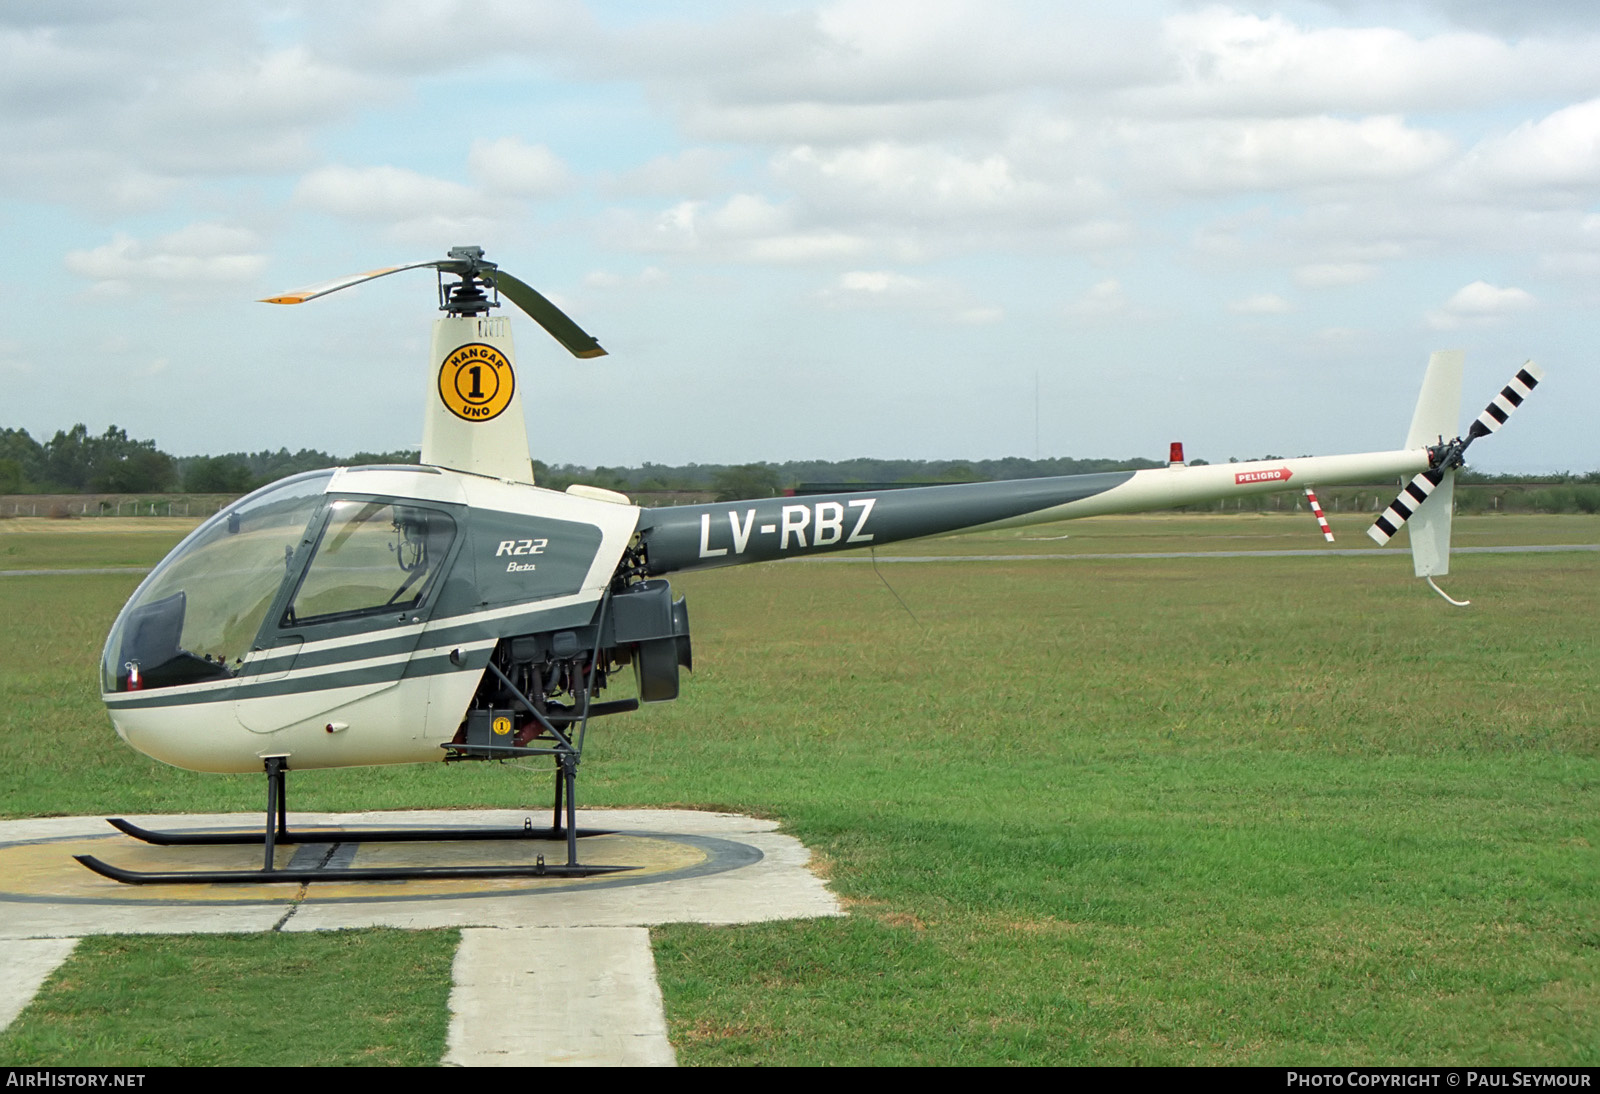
x=476, y=382
x=502, y=726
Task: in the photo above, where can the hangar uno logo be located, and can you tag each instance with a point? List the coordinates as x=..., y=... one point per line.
x=476, y=382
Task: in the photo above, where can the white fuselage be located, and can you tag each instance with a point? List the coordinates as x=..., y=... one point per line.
x=390, y=694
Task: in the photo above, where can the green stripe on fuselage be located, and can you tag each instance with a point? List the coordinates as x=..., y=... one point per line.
x=691, y=537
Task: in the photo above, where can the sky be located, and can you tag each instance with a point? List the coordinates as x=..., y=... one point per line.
x=905, y=228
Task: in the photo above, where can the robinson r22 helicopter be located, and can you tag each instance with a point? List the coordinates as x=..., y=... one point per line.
x=457, y=611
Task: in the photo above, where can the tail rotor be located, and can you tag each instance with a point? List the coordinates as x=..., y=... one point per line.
x=1500, y=407
x=1445, y=458
x=1428, y=498
x=1417, y=491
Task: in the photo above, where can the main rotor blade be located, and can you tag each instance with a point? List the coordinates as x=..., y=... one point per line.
x=1500, y=407
x=311, y=292
x=577, y=341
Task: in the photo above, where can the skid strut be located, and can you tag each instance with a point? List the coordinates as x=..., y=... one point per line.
x=276, y=831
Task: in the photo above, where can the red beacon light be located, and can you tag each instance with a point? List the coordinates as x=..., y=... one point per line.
x=1175, y=456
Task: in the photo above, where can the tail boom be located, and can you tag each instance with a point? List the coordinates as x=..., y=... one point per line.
x=692, y=537
x=1167, y=487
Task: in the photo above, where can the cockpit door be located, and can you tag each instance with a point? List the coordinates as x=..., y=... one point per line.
x=351, y=612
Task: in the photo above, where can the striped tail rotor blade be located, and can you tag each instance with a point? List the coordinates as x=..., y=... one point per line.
x=1400, y=510
x=1500, y=407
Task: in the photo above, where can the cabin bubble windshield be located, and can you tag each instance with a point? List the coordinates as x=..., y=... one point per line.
x=196, y=617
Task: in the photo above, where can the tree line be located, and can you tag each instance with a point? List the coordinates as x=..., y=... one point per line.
x=76, y=461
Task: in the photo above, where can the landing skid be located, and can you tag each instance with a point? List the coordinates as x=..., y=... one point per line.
x=399, y=873
x=347, y=835
x=277, y=831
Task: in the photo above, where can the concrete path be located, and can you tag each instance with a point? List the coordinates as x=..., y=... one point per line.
x=553, y=996
x=25, y=964
x=548, y=972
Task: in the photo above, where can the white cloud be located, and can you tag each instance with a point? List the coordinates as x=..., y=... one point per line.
x=853, y=53
x=1261, y=304
x=1560, y=150
x=880, y=284
x=273, y=89
x=232, y=111
x=895, y=201
x=979, y=316
x=838, y=124
x=1479, y=304
x=1283, y=153
x=913, y=201
x=1097, y=235
x=195, y=257
x=1103, y=298
x=745, y=227
x=515, y=168
x=12, y=359
x=416, y=209
x=382, y=193
x=649, y=277
x=1482, y=298
x=1227, y=61
x=692, y=173
x=412, y=37
x=745, y=215
x=814, y=246
x=908, y=181
x=901, y=150
x=1578, y=265
x=1337, y=336
x=889, y=289
x=110, y=107
x=1330, y=275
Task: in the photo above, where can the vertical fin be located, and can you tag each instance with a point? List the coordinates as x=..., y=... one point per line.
x=1430, y=530
x=1438, y=411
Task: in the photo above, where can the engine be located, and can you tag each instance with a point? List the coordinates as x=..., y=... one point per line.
x=536, y=682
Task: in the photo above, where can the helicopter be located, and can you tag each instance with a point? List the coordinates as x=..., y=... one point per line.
x=456, y=611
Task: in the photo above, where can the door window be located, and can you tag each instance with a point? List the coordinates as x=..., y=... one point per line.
x=373, y=557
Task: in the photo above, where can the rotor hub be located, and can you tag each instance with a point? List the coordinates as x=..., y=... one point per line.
x=466, y=297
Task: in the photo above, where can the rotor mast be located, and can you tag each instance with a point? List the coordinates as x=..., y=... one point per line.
x=474, y=419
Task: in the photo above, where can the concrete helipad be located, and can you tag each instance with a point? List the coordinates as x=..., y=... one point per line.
x=545, y=938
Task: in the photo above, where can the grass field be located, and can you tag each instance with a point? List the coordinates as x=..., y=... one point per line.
x=1210, y=810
